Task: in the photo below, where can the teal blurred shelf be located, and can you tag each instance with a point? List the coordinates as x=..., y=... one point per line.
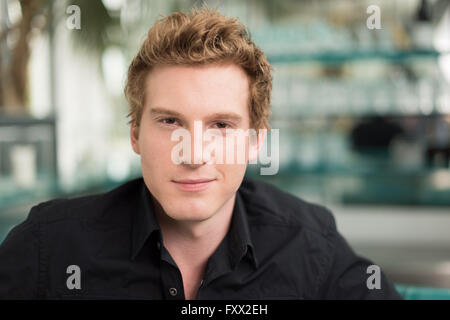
x=380, y=169
x=422, y=293
x=367, y=186
x=342, y=57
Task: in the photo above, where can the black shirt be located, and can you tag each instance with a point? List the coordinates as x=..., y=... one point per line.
x=109, y=246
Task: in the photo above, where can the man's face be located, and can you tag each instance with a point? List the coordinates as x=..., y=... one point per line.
x=176, y=96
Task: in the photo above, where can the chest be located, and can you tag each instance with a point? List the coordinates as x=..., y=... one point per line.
x=192, y=280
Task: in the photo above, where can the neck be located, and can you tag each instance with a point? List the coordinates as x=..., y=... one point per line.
x=193, y=242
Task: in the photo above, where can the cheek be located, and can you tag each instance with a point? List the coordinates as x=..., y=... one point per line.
x=232, y=174
x=155, y=148
x=235, y=150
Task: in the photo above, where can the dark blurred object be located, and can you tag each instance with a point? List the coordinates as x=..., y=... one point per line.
x=424, y=12
x=438, y=145
x=422, y=27
x=434, y=154
x=374, y=133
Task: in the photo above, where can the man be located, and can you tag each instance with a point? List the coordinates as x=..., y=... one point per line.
x=196, y=228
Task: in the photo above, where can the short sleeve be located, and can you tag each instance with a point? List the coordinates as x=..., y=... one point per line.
x=19, y=260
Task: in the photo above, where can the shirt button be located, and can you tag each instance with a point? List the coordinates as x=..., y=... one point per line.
x=173, y=292
x=158, y=245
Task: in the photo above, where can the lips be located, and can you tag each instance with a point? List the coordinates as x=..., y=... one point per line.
x=198, y=184
x=193, y=181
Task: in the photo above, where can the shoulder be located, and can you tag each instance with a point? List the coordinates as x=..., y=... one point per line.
x=268, y=204
x=94, y=206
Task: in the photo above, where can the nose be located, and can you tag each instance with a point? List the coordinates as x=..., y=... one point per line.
x=197, y=146
x=196, y=159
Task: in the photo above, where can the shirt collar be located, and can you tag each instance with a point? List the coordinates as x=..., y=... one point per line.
x=144, y=221
x=239, y=233
x=238, y=237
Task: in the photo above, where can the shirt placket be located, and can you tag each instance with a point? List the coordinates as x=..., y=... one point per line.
x=171, y=278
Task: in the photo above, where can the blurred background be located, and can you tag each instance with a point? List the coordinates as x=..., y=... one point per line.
x=363, y=112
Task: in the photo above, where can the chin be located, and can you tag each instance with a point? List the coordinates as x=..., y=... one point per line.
x=189, y=216
x=189, y=210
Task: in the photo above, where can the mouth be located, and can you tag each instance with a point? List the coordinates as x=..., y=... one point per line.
x=193, y=184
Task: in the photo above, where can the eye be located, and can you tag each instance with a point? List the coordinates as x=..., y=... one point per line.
x=222, y=125
x=168, y=121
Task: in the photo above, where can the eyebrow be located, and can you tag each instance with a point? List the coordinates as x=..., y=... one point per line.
x=162, y=111
x=217, y=115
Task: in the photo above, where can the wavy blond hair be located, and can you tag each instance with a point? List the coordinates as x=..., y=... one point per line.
x=203, y=36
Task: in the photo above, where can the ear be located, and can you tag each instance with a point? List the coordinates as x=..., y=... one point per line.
x=134, y=137
x=255, y=147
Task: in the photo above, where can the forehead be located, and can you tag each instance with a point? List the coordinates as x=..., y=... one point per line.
x=215, y=87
